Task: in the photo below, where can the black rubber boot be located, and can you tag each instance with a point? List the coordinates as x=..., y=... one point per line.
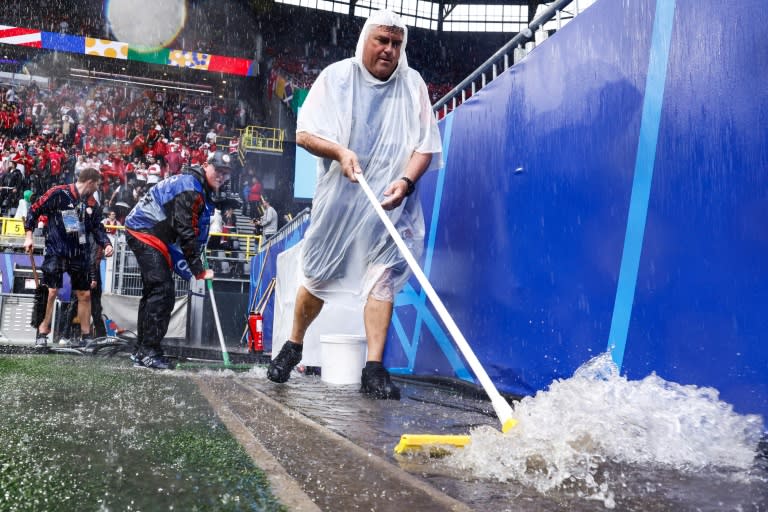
x=375, y=382
x=280, y=367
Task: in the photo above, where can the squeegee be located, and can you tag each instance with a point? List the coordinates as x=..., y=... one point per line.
x=415, y=442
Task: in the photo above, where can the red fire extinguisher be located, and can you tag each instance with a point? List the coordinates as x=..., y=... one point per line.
x=256, y=332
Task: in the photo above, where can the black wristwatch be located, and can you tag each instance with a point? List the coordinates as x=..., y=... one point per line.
x=411, y=185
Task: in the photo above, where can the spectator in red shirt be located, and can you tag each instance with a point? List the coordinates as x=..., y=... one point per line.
x=55, y=156
x=110, y=225
x=120, y=131
x=173, y=159
x=161, y=150
x=254, y=199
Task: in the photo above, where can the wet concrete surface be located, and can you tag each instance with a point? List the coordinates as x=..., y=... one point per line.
x=312, y=440
x=338, y=446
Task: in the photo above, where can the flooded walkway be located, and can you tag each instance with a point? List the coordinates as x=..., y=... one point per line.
x=335, y=472
x=93, y=427
x=338, y=446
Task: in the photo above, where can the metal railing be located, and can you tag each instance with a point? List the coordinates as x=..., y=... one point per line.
x=222, y=141
x=262, y=139
x=126, y=274
x=244, y=246
x=229, y=254
x=286, y=230
x=499, y=61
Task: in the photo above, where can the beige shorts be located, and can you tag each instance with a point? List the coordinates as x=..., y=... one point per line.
x=383, y=288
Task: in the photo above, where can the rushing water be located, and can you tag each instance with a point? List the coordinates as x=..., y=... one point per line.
x=583, y=433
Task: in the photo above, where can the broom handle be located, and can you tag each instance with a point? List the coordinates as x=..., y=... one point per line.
x=34, y=269
x=501, y=406
x=261, y=306
x=209, y=285
x=224, y=352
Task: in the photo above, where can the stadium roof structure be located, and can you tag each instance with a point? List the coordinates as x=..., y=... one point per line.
x=479, y=16
x=510, y=16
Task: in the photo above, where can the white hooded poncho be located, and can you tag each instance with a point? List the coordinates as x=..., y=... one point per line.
x=347, y=249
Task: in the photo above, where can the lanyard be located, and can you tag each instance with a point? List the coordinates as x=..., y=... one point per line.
x=80, y=205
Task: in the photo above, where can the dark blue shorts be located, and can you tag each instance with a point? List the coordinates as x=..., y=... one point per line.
x=54, y=267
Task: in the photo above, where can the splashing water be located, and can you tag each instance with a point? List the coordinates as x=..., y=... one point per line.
x=568, y=434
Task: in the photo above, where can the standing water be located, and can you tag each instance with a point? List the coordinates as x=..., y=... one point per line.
x=595, y=441
x=630, y=445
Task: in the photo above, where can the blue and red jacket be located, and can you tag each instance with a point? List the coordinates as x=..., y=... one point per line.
x=57, y=241
x=175, y=211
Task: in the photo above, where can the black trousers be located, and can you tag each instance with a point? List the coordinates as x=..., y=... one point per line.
x=157, y=297
x=99, y=329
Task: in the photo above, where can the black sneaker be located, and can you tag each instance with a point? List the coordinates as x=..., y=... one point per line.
x=280, y=367
x=136, y=358
x=375, y=382
x=157, y=362
x=82, y=341
x=41, y=341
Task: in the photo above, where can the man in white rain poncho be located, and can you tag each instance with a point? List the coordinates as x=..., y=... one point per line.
x=368, y=114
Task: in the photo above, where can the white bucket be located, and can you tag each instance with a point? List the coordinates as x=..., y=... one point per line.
x=342, y=358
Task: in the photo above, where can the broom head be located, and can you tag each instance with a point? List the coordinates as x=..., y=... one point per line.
x=430, y=444
x=41, y=303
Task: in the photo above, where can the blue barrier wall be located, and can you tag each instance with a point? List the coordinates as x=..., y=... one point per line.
x=607, y=193
x=9, y=262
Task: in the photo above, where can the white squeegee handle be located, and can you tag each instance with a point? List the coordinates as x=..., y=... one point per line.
x=500, y=405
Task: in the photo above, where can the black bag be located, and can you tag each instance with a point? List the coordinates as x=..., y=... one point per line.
x=41, y=298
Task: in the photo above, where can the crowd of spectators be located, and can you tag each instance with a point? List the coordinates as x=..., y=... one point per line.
x=133, y=137
x=84, y=17
x=302, y=71
x=301, y=63
x=297, y=43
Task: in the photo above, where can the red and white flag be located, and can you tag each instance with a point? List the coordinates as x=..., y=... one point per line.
x=20, y=36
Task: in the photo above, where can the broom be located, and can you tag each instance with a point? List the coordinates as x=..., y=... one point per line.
x=428, y=442
x=41, y=297
x=228, y=364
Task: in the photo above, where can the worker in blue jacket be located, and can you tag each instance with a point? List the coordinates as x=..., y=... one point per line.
x=171, y=219
x=72, y=214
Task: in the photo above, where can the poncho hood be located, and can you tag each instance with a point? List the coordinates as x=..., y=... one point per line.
x=383, y=18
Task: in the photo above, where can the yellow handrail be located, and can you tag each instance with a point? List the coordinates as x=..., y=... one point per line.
x=262, y=139
x=252, y=242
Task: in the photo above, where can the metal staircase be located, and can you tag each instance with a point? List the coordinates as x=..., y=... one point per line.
x=509, y=54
